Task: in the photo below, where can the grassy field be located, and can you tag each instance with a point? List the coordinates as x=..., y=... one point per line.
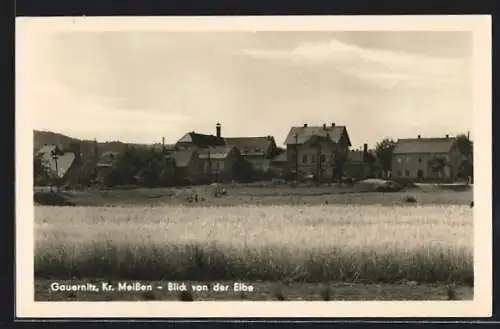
x=279, y=195
x=420, y=249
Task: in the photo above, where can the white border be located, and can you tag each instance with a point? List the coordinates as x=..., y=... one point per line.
x=481, y=306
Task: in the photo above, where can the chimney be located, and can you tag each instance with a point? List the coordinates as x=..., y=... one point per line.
x=447, y=136
x=333, y=124
x=324, y=125
x=305, y=125
x=418, y=136
x=217, y=129
x=365, y=148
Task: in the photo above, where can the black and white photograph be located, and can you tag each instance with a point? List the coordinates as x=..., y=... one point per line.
x=326, y=162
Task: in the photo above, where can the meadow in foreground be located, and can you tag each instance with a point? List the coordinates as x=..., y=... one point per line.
x=369, y=244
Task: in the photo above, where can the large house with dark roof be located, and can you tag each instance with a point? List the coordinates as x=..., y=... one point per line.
x=426, y=159
x=219, y=154
x=317, y=149
x=195, y=141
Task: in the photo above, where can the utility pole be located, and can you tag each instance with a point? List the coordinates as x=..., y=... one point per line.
x=209, y=165
x=55, y=156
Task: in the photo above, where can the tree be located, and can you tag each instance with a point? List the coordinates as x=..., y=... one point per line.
x=464, y=145
x=466, y=148
x=339, y=162
x=40, y=170
x=438, y=165
x=384, y=150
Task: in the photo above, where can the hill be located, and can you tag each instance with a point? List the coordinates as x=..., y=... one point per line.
x=42, y=138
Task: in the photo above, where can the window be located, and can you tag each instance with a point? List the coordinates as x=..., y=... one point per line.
x=419, y=159
x=398, y=173
x=408, y=159
x=313, y=158
x=216, y=164
x=399, y=160
x=323, y=158
x=304, y=159
x=407, y=173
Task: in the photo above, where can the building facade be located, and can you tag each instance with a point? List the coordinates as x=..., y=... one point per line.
x=219, y=162
x=317, y=150
x=420, y=159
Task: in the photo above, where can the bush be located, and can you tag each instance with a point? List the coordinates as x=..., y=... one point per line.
x=51, y=199
x=410, y=199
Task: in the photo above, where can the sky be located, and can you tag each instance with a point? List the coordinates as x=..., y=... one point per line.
x=140, y=86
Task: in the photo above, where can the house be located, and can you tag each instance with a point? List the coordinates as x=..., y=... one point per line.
x=189, y=165
x=107, y=161
x=279, y=164
x=58, y=166
x=305, y=143
x=219, y=162
x=357, y=165
x=361, y=164
x=426, y=159
x=257, y=150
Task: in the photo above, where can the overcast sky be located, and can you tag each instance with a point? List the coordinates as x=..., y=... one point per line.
x=140, y=86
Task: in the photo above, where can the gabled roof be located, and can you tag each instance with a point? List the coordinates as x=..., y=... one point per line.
x=424, y=145
x=305, y=133
x=201, y=140
x=251, y=145
x=64, y=161
x=182, y=158
x=218, y=152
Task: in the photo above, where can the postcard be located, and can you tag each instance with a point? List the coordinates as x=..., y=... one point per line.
x=277, y=166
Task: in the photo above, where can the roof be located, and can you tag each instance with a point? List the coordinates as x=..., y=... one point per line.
x=108, y=158
x=251, y=145
x=201, y=140
x=218, y=152
x=280, y=157
x=305, y=133
x=356, y=156
x=424, y=145
x=182, y=158
x=64, y=161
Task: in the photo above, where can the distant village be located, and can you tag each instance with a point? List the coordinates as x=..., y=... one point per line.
x=320, y=153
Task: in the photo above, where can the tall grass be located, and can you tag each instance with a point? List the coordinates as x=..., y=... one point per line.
x=308, y=244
